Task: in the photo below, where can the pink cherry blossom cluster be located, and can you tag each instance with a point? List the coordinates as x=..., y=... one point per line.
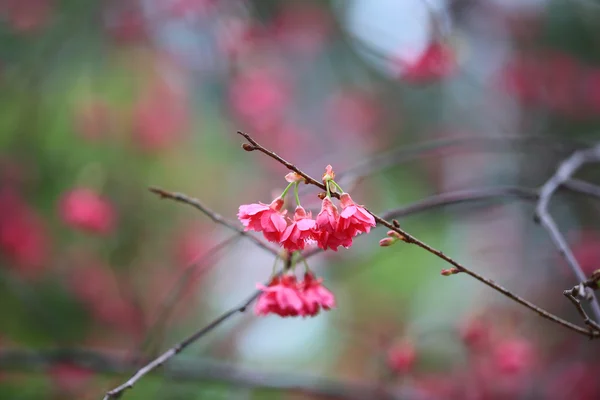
x=288, y=297
x=332, y=228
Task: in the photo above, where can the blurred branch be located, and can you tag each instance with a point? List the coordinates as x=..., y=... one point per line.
x=462, y=196
x=564, y=173
x=174, y=294
x=217, y=218
x=191, y=370
x=408, y=153
x=253, y=145
x=577, y=185
x=118, y=392
x=492, y=193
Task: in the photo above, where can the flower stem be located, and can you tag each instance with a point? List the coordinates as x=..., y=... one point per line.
x=274, y=266
x=296, y=193
x=306, y=267
x=327, y=187
x=286, y=189
x=337, y=186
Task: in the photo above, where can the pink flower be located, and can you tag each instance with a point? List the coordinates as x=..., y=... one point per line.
x=328, y=235
x=24, y=241
x=302, y=229
x=401, y=357
x=514, y=356
x=435, y=63
x=316, y=296
x=354, y=219
x=70, y=378
x=264, y=218
x=160, y=119
x=259, y=97
x=281, y=297
x=84, y=209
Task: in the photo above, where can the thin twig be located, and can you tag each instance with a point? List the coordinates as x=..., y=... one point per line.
x=571, y=295
x=194, y=370
x=577, y=185
x=254, y=145
x=118, y=391
x=564, y=173
x=174, y=294
x=217, y=218
x=431, y=147
x=462, y=196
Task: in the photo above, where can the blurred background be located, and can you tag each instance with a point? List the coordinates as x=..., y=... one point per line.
x=406, y=99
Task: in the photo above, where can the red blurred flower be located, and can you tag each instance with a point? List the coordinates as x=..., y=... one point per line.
x=85, y=209
x=127, y=25
x=514, y=356
x=23, y=240
x=259, y=98
x=521, y=78
x=26, y=16
x=264, y=218
x=97, y=288
x=354, y=219
x=189, y=245
x=160, y=118
x=587, y=252
x=401, y=357
x=302, y=27
x=69, y=378
x=354, y=111
x=475, y=334
x=299, y=231
x=185, y=8
x=315, y=295
x=282, y=297
x=437, y=62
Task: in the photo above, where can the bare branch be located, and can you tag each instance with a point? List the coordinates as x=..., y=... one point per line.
x=197, y=369
x=564, y=173
x=117, y=392
x=217, y=218
x=572, y=294
x=413, y=240
x=462, y=196
x=174, y=294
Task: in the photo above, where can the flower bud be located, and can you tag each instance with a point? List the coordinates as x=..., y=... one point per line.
x=293, y=177
x=388, y=241
x=450, y=271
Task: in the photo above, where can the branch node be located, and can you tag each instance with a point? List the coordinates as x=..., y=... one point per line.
x=248, y=147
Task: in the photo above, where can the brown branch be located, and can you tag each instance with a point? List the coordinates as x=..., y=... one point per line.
x=564, y=173
x=217, y=218
x=571, y=295
x=254, y=145
x=194, y=370
x=435, y=201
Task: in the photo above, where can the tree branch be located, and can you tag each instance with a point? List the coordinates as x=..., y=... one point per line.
x=408, y=238
x=564, y=173
x=217, y=218
x=190, y=370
